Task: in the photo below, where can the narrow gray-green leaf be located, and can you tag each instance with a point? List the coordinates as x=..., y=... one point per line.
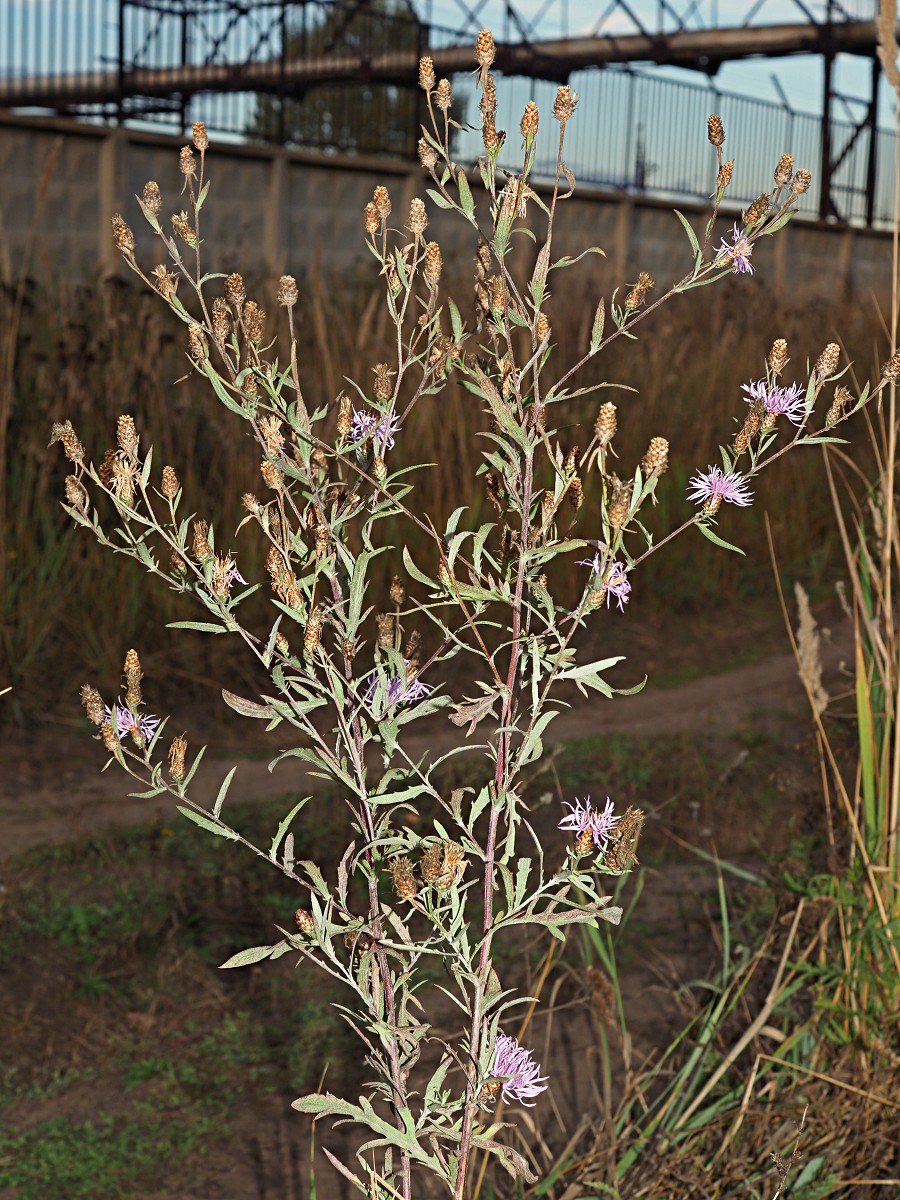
x=245, y=957
x=205, y=823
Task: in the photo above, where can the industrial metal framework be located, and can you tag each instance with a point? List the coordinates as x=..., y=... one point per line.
x=168, y=61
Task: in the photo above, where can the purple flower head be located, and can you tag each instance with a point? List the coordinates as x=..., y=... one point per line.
x=370, y=425
x=394, y=689
x=736, y=254
x=777, y=401
x=584, y=818
x=715, y=486
x=614, y=579
x=521, y=1076
x=125, y=723
x=224, y=574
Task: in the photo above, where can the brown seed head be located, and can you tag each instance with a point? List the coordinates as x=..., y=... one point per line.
x=492, y=139
x=93, y=704
x=404, y=878
x=827, y=362
x=528, y=126
x=584, y=843
x=371, y=221
x=122, y=236
x=427, y=157
x=177, y=751
x=177, y=563
x=639, y=290
x=418, y=218
x=398, y=591
x=443, y=97
x=801, y=182
x=221, y=320
x=287, y=291
x=484, y=48
x=152, y=196
x=345, y=419
x=127, y=435
x=305, y=922
x=620, y=502
x=426, y=73
x=606, y=424
x=105, y=470
x=200, y=546
x=183, y=229
x=282, y=645
x=757, y=209
x=132, y=668
x=124, y=473
x=656, y=459
x=62, y=431
x=714, y=130
x=891, y=369
x=200, y=136
x=196, y=342
x=842, y=398
x=434, y=264
x=387, y=625
x=575, y=493
x=165, y=282
x=273, y=438
x=313, y=633
x=778, y=356
x=170, y=483
x=272, y=477
x=323, y=534
x=724, y=177
x=379, y=470
x=109, y=736
x=234, y=290
x=445, y=579
x=76, y=494
x=383, y=386
x=358, y=942
x=488, y=102
x=253, y=322
x=496, y=293
x=784, y=170
x=748, y=430
x=564, y=104
x=542, y=328
x=186, y=164
x=382, y=201
x=221, y=574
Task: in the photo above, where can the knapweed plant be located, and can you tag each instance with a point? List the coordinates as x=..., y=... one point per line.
x=431, y=880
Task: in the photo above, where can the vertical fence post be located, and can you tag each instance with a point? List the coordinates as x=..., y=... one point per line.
x=872, y=160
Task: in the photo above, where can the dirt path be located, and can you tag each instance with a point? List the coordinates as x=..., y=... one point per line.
x=52, y=791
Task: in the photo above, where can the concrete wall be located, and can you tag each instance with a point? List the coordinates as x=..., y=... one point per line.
x=272, y=211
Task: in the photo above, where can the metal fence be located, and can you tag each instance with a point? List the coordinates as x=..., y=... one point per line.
x=636, y=130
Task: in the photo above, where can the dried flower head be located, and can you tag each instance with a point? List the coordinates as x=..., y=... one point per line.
x=177, y=751
x=784, y=170
x=272, y=477
x=344, y=421
x=488, y=102
x=122, y=235
x=520, y=1074
x=404, y=877
x=313, y=633
x=542, y=328
x=200, y=136
x=623, y=841
x=656, y=459
x=124, y=475
x=778, y=356
x=76, y=493
x=418, y=218
x=484, y=48
x=253, y=318
x=528, y=126
x=165, y=282
x=842, y=398
x=443, y=97
x=197, y=342
x=891, y=369
x=305, y=922
x=287, y=291
x=273, y=438
x=152, y=196
x=757, y=210
x=619, y=502
x=282, y=645
x=105, y=470
x=398, y=591
x=62, y=431
x=575, y=493
x=108, y=734
x=127, y=435
x=801, y=182
x=200, y=546
x=170, y=484
x=234, y=290
x=639, y=290
x=606, y=424
x=827, y=362
x=426, y=73
x=427, y=157
x=434, y=264
x=93, y=704
x=224, y=573
x=714, y=130
x=184, y=230
x=371, y=220
x=386, y=624
x=723, y=179
x=186, y=164
x=564, y=104
x=382, y=201
x=221, y=320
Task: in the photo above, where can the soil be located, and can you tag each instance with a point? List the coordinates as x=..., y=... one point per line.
x=51, y=791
